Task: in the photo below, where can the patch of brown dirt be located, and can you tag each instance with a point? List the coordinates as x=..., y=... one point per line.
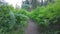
x=31, y=28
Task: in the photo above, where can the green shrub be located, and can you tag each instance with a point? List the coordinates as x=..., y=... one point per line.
x=11, y=22
x=47, y=16
x=7, y=19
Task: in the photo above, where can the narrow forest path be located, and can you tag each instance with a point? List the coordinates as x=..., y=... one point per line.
x=31, y=28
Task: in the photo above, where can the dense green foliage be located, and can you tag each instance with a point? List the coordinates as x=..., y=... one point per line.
x=47, y=17
x=14, y=21
x=11, y=22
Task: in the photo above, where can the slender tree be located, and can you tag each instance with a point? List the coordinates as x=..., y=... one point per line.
x=34, y=4
x=41, y=2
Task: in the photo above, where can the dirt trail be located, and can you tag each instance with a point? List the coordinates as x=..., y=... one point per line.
x=31, y=28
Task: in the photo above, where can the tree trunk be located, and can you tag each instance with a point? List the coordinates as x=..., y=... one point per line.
x=34, y=4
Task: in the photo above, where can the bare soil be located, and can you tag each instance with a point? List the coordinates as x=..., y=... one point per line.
x=31, y=28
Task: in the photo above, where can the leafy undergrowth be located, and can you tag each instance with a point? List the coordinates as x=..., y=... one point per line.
x=14, y=21
x=11, y=20
x=47, y=18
